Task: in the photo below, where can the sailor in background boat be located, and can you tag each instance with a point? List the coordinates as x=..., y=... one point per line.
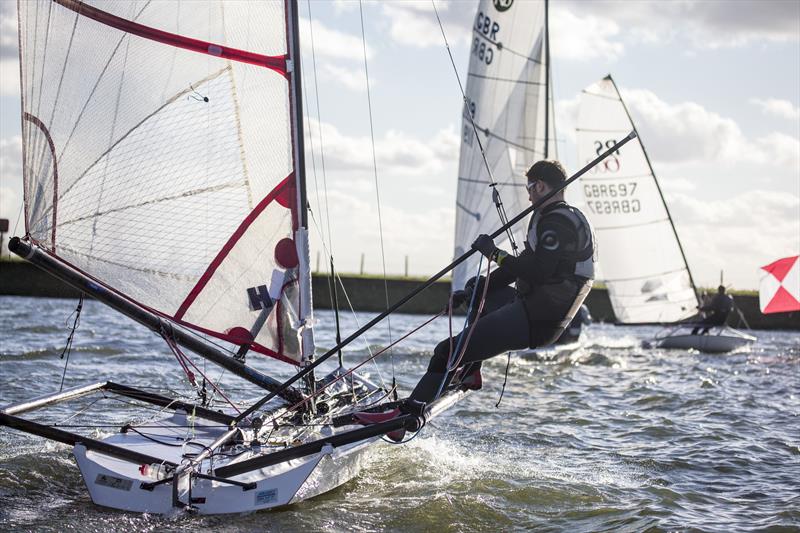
x=716, y=312
x=553, y=275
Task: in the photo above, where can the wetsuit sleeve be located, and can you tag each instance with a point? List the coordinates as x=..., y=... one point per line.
x=501, y=278
x=555, y=237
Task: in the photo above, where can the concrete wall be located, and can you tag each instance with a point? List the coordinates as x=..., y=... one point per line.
x=367, y=294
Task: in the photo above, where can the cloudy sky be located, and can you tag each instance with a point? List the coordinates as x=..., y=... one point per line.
x=714, y=88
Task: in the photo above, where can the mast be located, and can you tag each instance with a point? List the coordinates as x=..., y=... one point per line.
x=296, y=87
x=546, y=79
x=301, y=234
x=658, y=188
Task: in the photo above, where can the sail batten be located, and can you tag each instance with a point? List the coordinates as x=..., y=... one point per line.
x=160, y=159
x=640, y=257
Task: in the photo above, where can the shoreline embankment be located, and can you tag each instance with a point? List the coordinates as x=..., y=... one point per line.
x=367, y=293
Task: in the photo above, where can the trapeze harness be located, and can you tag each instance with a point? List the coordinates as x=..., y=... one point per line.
x=551, y=304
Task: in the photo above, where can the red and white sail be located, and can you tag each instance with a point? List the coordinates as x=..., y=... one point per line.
x=161, y=159
x=506, y=99
x=779, y=291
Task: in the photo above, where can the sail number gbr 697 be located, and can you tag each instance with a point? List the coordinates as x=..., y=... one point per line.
x=612, y=196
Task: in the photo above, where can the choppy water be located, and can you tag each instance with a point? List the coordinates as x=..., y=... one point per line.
x=610, y=437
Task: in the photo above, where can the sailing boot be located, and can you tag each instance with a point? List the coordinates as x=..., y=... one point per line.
x=473, y=381
x=367, y=418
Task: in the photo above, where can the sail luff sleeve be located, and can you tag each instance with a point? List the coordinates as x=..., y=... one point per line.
x=305, y=303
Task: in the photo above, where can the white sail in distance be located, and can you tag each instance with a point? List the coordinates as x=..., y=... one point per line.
x=506, y=100
x=161, y=159
x=640, y=256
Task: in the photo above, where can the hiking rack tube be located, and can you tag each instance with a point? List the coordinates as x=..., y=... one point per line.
x=410, y=422
x=8, y=418
x=122, y=390
x=319, y=360
x=74, y=439
x=48, y=399
x=147, y=318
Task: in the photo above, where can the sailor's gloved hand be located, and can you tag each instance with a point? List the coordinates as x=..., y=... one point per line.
x=460, y=297
x=485, y=245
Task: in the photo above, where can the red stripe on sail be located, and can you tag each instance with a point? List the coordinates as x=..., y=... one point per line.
x=226, y=249
x=39, y=124
x=276, y=63
x=233, y=339
x=256, y=347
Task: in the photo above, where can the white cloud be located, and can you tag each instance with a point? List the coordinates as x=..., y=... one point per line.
x=688, y=132
x=583, y=38
x=737, y=234
x=8, y=30
x=677, y=185
x=11, y=184
x=332, y=43
x=397, y=152
x=413, y=23
x=353, y=79
x=699, y=23
x=778, y=108
x=9, y=77
x=425, y=236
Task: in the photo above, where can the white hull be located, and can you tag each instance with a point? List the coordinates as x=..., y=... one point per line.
x=119, y=484
x=724, y=340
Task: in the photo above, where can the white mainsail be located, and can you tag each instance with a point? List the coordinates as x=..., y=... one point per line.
x=640, y=256
x=160, y=159
x=506, y=98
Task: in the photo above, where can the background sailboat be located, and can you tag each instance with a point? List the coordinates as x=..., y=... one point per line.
x=507, y=116
x=641, y=258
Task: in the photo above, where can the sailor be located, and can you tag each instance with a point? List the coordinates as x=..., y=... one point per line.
x=716, y=311
x=553, y=275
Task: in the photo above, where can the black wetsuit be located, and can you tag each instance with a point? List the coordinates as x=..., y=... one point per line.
x=718, y=310
x=553, y=276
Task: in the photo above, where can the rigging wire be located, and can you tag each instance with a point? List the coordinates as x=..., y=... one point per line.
x=359, y=365
x=455, y=356
x=377, y=188
x=336, y=278
x=331, y=282
x=501, y=212
x=68, y=347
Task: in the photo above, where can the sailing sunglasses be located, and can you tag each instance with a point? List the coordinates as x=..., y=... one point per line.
x=530, y=185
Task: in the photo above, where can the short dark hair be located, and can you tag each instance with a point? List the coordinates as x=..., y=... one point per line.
x=549, y=171
x=721, y=288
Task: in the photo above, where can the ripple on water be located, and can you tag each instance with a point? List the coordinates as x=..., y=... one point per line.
x=609, y=437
